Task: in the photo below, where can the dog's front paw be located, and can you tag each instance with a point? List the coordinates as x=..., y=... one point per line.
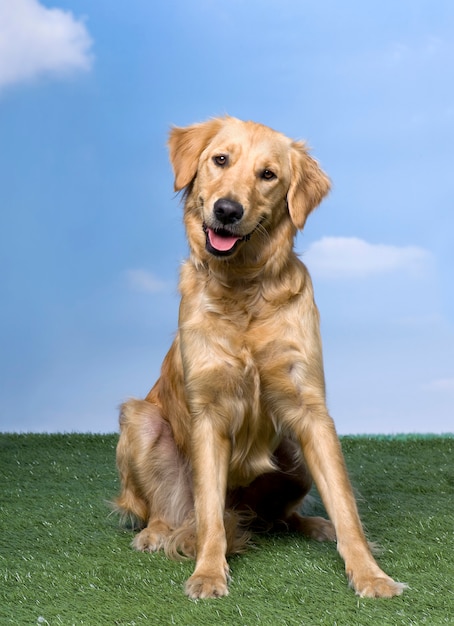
x=210, y=585
x=381, y=586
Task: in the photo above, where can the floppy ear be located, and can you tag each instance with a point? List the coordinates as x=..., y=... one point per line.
x=185, y=147
x=308, y=185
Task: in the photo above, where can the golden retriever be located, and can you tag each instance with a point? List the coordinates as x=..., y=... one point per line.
x=222, y=440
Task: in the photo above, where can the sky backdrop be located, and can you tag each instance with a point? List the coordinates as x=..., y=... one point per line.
x=91, y=232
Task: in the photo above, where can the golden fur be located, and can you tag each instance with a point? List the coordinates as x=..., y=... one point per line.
x=222, y=440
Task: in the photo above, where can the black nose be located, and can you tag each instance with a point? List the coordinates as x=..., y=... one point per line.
x=228, y=211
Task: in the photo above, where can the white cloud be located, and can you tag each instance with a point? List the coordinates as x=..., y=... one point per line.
x=35, y=40
x=350, y=257
x=424, y=49
x=142, y=280
x=441, y=384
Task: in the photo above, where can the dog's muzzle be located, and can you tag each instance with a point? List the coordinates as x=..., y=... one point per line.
x=221, y=238
x=221, y=242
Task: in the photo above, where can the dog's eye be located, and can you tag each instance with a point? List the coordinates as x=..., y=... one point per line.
x=221, y=160
x=267, y=175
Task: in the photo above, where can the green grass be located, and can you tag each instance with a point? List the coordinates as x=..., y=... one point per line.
x=64, y=559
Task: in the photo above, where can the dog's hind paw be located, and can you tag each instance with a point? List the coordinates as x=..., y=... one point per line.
x=316, y=528
x=152, y=538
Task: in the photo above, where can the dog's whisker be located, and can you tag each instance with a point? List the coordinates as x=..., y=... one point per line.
x=263, y=233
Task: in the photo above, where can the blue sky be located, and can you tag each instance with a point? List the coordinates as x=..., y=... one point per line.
x=91, y=231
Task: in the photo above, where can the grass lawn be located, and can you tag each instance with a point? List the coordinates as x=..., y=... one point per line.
x=65, y=560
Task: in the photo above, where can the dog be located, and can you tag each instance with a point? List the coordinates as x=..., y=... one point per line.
x=236, y=427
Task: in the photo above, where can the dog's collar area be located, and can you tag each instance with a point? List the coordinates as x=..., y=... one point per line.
x=221, y=242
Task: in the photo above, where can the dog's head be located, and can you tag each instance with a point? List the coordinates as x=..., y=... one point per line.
x=241, y=179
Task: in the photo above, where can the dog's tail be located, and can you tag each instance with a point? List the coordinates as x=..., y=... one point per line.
x=181, y=542
x=131, y=509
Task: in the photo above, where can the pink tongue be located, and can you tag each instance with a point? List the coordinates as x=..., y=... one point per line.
x=223, y=244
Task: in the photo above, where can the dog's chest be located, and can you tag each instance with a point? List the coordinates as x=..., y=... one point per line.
x=242, y=341
x=244, y=366
x=254, y=379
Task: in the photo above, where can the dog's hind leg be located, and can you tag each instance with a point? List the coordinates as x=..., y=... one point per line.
x=131, y=502
x=155, y=479
x=275, y=497
x=295, y=471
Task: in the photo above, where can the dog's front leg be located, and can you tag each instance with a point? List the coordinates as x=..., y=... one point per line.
x=324, y=458
x=210, y=454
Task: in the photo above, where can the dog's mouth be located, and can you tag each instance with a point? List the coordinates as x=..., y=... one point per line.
x=222, y=242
